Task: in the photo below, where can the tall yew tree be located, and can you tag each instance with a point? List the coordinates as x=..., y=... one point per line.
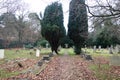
x=78, y=24
x=52, y=25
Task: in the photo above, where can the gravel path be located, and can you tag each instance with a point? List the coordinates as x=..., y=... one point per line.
x=66, y=68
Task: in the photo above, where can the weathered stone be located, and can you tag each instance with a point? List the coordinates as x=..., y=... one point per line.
x=51, y=55
x=40, y=63
x=46, y=58
x=88, y=57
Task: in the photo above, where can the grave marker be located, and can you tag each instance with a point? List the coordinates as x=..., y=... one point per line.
x=54, y=53
x=37, y=52
x=111, y=50
x=1, y=53
x=99, y=48
x=94, y=49
x=47, y=45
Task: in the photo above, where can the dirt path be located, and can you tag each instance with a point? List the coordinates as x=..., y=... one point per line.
x=62, y=68
x=66, y=68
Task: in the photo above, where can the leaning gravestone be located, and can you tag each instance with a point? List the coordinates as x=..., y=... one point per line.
x=115, y=60
x=1, y=53
x=37, y=52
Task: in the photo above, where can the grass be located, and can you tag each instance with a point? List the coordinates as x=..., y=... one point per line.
x=70, y=51
x=6, y=74
x=11, y=54
x=100, y=71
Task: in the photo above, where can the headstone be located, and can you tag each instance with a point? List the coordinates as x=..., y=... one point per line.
x=94, y=49
x=40, y=63
x=88, y=57
x=37, y=52
x=1, y=53
x=54, y=53
x=99, y=48
x=59, y=48
x=82, y=55
x=116, y=49
x=115, y=60
x=111, y=50
x=47, y=45
x=46, y=57
x=51, y=55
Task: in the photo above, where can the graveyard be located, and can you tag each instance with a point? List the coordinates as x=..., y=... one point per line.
x=59, y=39
x=25, y=64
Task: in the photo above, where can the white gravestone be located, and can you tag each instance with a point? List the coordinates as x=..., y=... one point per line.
x=37, y=53
x=54, y=53
x=1, y=53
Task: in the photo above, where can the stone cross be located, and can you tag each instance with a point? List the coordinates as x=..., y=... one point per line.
x=1, y=53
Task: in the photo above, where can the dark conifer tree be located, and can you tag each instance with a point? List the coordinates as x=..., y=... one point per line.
x=52, y=25
x=78, y=24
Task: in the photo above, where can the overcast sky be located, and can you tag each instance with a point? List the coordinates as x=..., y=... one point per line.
x=40, y=5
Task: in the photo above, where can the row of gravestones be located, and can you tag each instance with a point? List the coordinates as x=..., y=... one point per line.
x=115, y=58
x=111, y=49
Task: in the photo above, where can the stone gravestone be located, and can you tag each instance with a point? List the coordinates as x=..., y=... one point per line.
x=111, y=50
x=37, y=52
x=116, y=49
x=99, y=48
x=66, y=46
x=54, y=53
x=1, y=53
x=59, y=48
x=46, y=58
x=94, y=49
x=115, y=60
x=47, y=45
